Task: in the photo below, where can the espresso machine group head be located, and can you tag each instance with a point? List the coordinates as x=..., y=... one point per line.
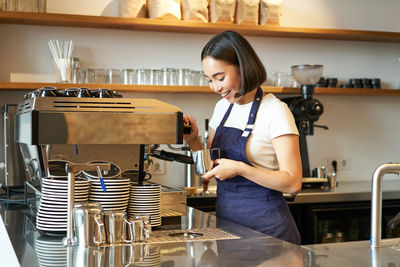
x=306, y=109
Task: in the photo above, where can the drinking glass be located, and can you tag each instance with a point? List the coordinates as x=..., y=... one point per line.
x=169, y=76
x=100, y=76
x=198, y=78
x=278, y=78
x=143, y=76
x=155, y=78
x=114, y=76
x=184, y=77
x=129, y=76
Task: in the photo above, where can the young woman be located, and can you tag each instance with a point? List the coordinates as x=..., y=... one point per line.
x=257, y=137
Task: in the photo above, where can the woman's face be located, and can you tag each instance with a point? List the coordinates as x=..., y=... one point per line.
x=224, y=79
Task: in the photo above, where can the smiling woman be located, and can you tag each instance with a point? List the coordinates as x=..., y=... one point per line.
x=232, y=50
x=257, y=138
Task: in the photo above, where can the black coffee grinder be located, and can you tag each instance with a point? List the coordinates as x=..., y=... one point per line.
x=306, y=110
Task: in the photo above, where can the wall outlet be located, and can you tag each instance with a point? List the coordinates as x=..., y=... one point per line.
x=343, y=163
x=158, y=166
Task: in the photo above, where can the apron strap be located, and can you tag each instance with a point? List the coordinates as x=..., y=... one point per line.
x=253, y=112
x=252, y=115
x=226, y=115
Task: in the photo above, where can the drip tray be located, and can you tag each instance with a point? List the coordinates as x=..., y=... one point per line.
x=204, y=234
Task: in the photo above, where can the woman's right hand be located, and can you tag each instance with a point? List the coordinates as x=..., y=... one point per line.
x=192, y=139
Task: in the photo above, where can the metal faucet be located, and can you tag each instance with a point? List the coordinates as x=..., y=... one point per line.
x=376, y=202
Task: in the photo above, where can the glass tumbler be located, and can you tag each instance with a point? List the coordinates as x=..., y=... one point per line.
x=114, y=76
x=155, y=77
x=198, y=78
x=279, y=78
x=184, y=77
x=202, y=79
x=100, y=76
x=143, y=76
x=169, y=76
x=129, y=76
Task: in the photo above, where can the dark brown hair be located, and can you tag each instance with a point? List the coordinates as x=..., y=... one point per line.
x=234, y=49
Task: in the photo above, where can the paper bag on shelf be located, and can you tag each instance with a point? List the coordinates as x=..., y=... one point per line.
x=132, y=8
x=247, y=12
x=164, y=9
x=271, y=11
x=222, y=11
x=196, y=10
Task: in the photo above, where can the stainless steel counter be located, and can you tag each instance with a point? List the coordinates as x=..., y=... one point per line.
x=346, y=191
x=359, y=253
x=252, y=249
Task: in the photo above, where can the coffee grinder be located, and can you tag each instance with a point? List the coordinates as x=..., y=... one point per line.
x=306, y=110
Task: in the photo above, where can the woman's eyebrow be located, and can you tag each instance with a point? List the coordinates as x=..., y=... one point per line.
x=215, y=74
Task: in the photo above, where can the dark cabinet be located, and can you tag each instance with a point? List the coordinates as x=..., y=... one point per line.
x=341, y=221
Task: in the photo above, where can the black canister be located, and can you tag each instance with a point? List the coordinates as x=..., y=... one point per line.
x=366, y=83
x=321, y=82
x=332, y=82
x=356, y=83
x=376, y=83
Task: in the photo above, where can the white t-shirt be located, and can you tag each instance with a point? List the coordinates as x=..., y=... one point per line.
x=273, y=119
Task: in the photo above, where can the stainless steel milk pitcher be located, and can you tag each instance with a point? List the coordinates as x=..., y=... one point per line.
x=89, y=225
x=116, y=224
x=139, y=228
x=203, y=159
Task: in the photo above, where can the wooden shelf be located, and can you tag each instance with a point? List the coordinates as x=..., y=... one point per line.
x=196, y=89
x=53, y=19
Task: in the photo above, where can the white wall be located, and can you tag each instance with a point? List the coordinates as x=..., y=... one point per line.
x=362, y=128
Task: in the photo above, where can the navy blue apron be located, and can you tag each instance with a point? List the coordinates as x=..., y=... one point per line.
x=242, y=201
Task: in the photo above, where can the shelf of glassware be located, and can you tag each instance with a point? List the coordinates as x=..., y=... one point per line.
x=195, y=89
x=146, y=24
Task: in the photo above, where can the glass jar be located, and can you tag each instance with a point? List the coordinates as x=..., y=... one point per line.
x=76, y=72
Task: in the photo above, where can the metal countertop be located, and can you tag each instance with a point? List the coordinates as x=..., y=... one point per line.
x=346, y=191
x=252, y=249
x=360, y=254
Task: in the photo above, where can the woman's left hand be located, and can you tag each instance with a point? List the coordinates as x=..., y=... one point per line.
x=224, y=169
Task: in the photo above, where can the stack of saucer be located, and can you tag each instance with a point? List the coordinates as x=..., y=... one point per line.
x=50, y=252
x=52, y=214
x=145, y=200
x=115, y=197
x=152, y=257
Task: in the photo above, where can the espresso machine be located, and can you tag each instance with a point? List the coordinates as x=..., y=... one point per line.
x=80, y=121
x=306, y=110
